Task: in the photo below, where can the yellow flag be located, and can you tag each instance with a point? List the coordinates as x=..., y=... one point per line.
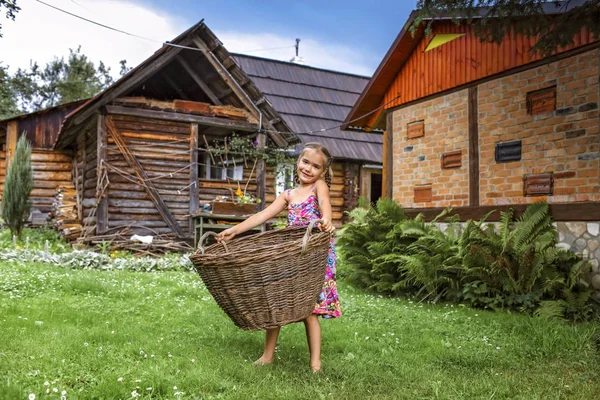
x=442, y=38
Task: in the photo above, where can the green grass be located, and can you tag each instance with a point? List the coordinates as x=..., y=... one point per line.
x=102, y=335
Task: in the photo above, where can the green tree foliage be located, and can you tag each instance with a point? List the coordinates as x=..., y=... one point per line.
x=11, y=9
x=492, y=19
x=60, y=81
x=8, y=101
x=515, y=266
x=17, y=186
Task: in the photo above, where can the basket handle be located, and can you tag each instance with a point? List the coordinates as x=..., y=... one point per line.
x=311, y=225
x=207, y=234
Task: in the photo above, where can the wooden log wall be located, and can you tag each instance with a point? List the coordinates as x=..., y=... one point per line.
x=2, y=161
x=51, y=170
x=162, y=148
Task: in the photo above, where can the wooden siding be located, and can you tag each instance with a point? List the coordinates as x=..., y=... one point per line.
x=461, y=61
x=42, y=128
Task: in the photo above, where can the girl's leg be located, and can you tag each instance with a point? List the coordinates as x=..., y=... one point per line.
x=313, y=336
x=270, y=344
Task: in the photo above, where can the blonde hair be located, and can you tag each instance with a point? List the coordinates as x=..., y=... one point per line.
x=328, y=161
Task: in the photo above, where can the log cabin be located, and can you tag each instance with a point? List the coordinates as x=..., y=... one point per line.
x=134, y=154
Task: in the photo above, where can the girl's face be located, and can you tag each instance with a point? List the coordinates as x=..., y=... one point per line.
x=310, y=166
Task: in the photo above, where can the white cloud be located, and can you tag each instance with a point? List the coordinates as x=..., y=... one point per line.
x=40, y=33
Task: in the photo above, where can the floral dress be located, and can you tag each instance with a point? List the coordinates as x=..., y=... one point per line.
x=300, y=214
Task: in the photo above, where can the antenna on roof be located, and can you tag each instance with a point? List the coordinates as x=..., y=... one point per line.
x=297, y=59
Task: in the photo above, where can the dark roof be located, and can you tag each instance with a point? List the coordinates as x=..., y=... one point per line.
x=373, y=94
x=310, y=99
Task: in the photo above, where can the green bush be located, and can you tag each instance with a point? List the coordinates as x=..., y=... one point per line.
x=18, y=185
x=518, y=267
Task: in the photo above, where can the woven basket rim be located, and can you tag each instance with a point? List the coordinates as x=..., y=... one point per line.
x=233, y=244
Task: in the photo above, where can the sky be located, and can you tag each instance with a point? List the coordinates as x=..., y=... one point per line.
x=350, y=36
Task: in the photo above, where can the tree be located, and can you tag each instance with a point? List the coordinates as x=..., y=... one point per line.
x=59, y=82
x=17, y=186
x=8, y=102
x=493, y=19
x=11, y=10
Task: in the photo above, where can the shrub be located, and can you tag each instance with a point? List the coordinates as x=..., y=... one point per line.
x=18, y=185
x=517, y=268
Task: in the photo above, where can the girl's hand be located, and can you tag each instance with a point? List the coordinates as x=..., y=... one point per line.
x=226, y=235
x=326, y=226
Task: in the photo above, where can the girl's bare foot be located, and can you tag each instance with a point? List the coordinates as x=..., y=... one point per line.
x=316, y=368
x=264, y=361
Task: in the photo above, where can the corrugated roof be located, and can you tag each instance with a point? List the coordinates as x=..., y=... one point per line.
x=310, y=99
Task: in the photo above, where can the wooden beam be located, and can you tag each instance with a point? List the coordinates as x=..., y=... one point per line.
x=588, y=211
x=388, y=158
x=135, y=79
x=261, y=175
x=175, y=86
x=205, y=88
x=101, y=197
x=473, y=148
x=194, y=192
x=237, y=89
x=143, y=177
x=12, y=137
x=226, y=76
x=179, y=117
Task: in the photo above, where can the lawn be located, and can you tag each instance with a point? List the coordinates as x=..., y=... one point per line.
x=118, y=334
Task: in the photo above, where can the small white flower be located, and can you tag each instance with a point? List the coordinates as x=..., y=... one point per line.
x=112, y=333
x=134, y=394
x=47, y=390
x=31, y=395
x=138, y=380
x=366, y=338
x=55, y=390
x=46, y=383
x=148, y=388
x=64, y=392
x=497, y=347
x=193, y=360
x=151, y=355
x=85, y=344
x=120, y=379
x=174, y=387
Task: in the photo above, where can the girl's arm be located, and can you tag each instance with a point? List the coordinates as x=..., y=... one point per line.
x=257, y=219
x=325, y=206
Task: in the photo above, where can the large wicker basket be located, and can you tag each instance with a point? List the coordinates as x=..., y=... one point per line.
x=266, y=280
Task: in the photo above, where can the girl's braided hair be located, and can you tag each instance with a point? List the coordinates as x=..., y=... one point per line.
x=328, y=161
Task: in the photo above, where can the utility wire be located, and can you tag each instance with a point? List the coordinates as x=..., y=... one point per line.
x=196, y=49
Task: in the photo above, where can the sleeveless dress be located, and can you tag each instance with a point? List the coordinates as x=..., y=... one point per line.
x=300, y=214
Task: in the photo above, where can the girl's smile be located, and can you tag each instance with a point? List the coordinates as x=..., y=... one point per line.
x=310, y=166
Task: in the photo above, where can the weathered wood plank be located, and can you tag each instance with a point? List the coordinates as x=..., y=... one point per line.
x=194, y=203
x=101, y=201
x=198, y=119
x=473, y=148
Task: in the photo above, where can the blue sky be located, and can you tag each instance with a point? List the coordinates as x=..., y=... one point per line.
x=351, y=36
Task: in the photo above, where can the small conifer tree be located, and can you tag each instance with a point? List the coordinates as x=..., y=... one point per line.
x=18, y=185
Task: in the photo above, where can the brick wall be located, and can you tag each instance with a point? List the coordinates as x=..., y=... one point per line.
x=418, y=161
x=565, y=142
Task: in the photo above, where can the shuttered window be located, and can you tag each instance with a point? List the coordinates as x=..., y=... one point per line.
x=541, y=101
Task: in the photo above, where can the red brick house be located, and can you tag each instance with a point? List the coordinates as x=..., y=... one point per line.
x=481, y=126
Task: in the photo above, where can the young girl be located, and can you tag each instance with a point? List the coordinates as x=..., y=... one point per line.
x=308, y=201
